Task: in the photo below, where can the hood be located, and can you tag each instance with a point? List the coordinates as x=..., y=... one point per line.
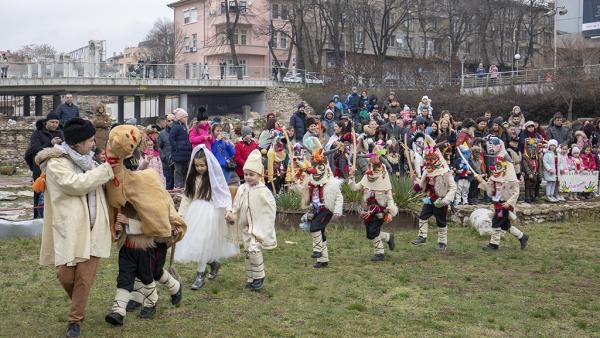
x=49, y=153
x=40, y=124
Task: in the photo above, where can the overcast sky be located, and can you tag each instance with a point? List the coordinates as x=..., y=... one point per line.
x=70, y=24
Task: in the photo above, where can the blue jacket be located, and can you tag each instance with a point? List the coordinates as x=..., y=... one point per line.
x=223, y=151
x=164, y=146
x=67, y=112
x=298, y=121
x=353, y=101
x=181, y=148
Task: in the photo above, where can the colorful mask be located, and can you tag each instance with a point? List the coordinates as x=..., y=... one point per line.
x=319, y=171
x=499, y=167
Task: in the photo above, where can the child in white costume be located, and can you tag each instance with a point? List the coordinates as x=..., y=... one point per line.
x=253, y=215
x=205, y=199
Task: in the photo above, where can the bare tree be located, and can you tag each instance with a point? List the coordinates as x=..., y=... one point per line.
x=233, y=12
x=164, y=42
x=380, y=20
x=459, y=25
x=334, y=14
x=37, y=51
x=534, y=25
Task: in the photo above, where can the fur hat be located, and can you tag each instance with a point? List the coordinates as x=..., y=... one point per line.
x=553, y=143
x=254, y=162
x=310, y=121
x=575, y=150
x=78, y=130
x=528, y=123
x=180, y=113
x=52, y=116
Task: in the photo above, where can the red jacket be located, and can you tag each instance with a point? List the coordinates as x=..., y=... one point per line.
x=242, y=150
x=589, y=161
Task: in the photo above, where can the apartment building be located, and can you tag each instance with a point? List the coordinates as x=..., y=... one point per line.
x=203, y=24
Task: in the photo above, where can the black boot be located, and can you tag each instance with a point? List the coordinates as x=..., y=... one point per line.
x=257, y=284
x=490, y=247
x=392, y=242
x=199, y=282
x=419, y=241
x=214, y=270
x=319, y=265
x=378, y=258
x=73, y=330
x=176, y=298
x=441, y=247
x=147, y=312
x=315, y=254
x=523, y=240
x=132, y=305
x=114, y=319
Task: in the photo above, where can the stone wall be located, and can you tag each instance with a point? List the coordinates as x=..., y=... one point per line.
x=283, y=102
x=537, y=213
x=14, y=139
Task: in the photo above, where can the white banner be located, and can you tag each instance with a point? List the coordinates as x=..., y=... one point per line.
x=583, y=181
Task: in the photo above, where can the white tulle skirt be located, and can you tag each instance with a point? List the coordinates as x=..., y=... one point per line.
x=205, y=239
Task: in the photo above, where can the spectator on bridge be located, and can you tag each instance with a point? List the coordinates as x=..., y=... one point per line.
x=3, y=66
x=164, y=148
x=205, y=72
x=493, y=72
x=67, y=110
x=181, y=148
x=46, y=135
x=481, y=71
x=243, y=149
x=556, y=130
x=222, y=67
x=298, y=122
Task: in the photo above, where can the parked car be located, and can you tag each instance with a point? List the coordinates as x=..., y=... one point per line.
x=297, y=78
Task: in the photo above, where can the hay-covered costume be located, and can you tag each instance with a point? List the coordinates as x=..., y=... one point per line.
x=322, y=196
x=253, y=212
x=378, y=204
x=503, y=189
x=139, y=195
x=437, y=182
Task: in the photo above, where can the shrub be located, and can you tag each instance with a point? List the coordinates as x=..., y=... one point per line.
x=402, y=190
x=288, y=201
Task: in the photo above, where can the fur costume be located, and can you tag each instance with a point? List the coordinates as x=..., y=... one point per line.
x=277, y=164
x=503, y=189
x=322, y=196
x=437, y=182
x=377, y=202
x=532, y=167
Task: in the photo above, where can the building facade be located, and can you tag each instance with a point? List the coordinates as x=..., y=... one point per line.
x=203, y=25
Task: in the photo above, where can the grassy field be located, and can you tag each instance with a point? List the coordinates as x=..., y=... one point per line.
x=550, y=289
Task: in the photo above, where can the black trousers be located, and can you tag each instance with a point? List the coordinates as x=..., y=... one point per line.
x=320, y=221
x=373, y=228
x=502, y=222
x=440, y=214
x=160, y=258
x=145, y=265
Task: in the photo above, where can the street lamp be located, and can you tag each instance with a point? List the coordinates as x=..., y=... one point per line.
x=517, y=58
x=562, y=10
x=462, y=74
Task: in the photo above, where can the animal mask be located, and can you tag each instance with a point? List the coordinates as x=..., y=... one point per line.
x=123, y=140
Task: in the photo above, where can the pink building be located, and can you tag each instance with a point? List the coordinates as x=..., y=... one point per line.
x=203, y=24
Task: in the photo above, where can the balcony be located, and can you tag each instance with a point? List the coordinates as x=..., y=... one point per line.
x=239, y=49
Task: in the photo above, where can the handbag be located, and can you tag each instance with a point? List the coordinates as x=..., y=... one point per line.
x=230, y=163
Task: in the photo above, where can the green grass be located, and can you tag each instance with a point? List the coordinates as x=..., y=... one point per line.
x=550, y=289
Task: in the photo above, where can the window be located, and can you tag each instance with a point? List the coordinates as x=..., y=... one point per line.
x=392, y=42
x=186, y=67
x=186, y=43
x=194, y=70
x=282, y=40
x=284, y=12
x=186, y=16
x=275, y=11
x=194, y=41
x=193, y=15
x=232, y=6
x=232, y=69
x=358, y=39
x=243, y=37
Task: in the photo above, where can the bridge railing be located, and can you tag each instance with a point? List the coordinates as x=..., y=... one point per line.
x=32, y=70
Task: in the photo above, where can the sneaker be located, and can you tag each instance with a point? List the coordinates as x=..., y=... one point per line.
x=378, y=258
x=490, y=248
x=214, y=270
x=257, y=284
x=524, y=241
x=176, y=298
x=419, y=241
x=147, y=312
x=441, y=247
x=132, y=305
x=319, y=265
x=392, y=242
x=315, y=254
x=73, y=330
x=114, y=319
x=199, y=282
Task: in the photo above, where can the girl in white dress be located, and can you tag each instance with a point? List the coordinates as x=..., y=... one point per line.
x=205, y=199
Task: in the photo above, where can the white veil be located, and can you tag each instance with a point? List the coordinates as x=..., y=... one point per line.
x=220, y=195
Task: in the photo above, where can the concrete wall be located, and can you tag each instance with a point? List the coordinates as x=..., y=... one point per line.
x=227, y=104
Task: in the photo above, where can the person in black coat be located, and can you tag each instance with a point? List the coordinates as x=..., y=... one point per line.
x=46, y=135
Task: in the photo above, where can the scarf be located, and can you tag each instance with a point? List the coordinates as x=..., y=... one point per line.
x=85, y=163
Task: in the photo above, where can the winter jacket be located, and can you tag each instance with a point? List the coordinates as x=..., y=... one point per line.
x=40, y=139
x=264, y=139
x=298, y=122
x=393, y=131
x=223, y=150
x=353, y=102
x=102, y=123
x=563, y=164
x=153, y=164
x=242, y=151
x=550, y=162
x=201, y=135
x=66, y=112
x=515, y=155
x=462, y=171
x=328, y=125
x=338, y=103
x=589, y=161
x=181, y=148
x=561, y=134
x=164, y=146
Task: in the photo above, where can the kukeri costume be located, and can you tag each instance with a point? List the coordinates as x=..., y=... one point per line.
x=532, y=166
x=378, y=204
x=321, y=194
x=503, y=189
x=438, y=184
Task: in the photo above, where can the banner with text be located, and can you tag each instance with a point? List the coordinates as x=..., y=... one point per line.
x=583, y=181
